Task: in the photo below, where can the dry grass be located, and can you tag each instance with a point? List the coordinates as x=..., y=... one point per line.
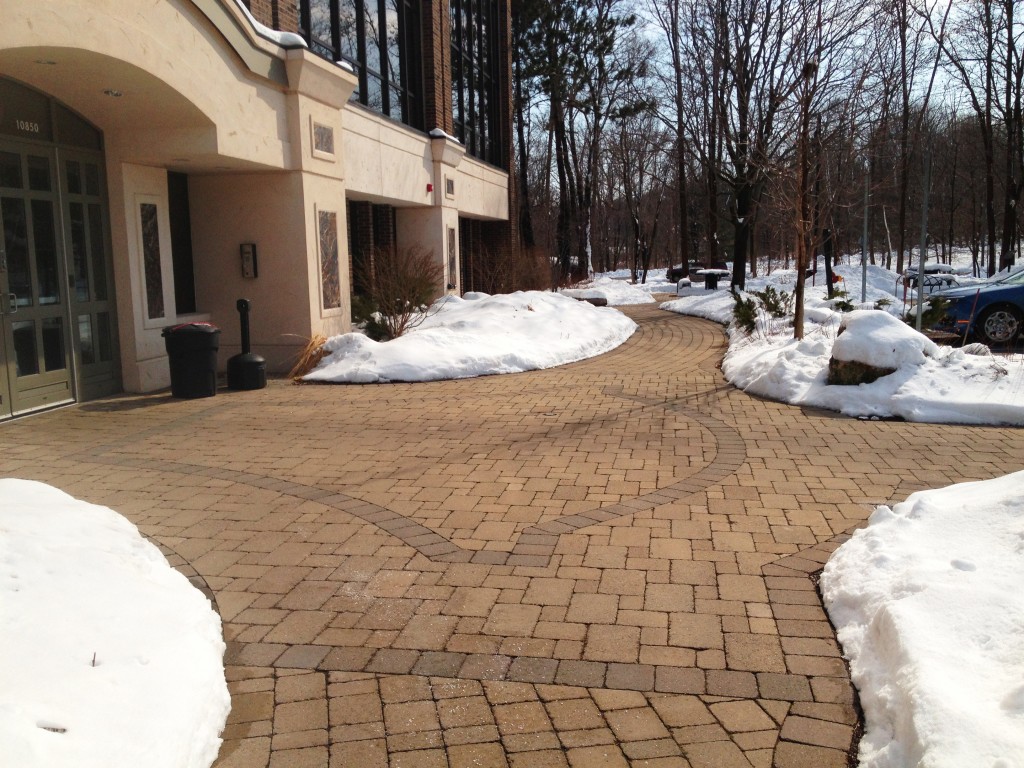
x=309, y=358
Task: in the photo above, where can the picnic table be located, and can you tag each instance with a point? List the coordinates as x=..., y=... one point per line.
x=711, y=277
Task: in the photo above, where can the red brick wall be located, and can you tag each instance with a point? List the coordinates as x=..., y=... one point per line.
x=277, y=14
x=286, y=15
x=262, y=10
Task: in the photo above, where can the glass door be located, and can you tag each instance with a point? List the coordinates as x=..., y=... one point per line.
x=90, y=287
x=35, y=364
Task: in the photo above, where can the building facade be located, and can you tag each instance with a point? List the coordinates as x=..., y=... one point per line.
x=160, y=159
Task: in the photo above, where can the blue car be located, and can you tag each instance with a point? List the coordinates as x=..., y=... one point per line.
x=991, y=312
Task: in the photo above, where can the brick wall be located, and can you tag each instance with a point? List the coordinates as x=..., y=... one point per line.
x=437, y=95
x=383, y=228
x=286, y=15
x=262, y=10
x=371, y=228
x=277, y=14
x=360, y=245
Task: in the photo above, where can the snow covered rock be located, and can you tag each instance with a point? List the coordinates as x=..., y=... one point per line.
x=852, y=372
x=872, y=344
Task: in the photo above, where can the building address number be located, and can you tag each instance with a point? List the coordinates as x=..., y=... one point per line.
x=27, y=126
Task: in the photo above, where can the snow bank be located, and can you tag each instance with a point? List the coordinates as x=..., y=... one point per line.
x=479, y=335
x=879, y=339
x=111, y=658
x=717, y=305
x=928, y=606
x=945, y=385
x=656, y=281
x=931, y=383
x=617, y=293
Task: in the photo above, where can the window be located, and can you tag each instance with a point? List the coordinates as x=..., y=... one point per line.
x=181, y=243
x=381, y=40
x=475, y=102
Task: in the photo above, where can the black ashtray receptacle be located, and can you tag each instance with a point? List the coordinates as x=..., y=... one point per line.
x=247, y=370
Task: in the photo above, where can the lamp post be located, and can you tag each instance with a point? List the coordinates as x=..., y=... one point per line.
x=864, y=237
x=810, y=70
x=924, y=235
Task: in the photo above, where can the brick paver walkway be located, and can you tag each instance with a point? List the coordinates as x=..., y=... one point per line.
x=609, y=563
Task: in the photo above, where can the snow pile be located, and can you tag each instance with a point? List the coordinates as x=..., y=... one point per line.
x=111, y=657
x=479, y=335
x=656, y=281
x=928, y=606
x=880, y=340
x=717, y=305
x=931, y=383
x=616, y=292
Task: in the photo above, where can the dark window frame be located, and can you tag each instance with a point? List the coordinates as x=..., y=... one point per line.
x=400, y=98
x=476, y=101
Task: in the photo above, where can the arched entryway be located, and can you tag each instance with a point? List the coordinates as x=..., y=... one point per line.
x=58, y=340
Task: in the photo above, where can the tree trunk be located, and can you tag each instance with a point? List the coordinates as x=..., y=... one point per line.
x=525, y=217
x=741, y=240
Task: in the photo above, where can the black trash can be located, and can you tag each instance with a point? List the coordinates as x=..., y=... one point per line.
x=192, y=353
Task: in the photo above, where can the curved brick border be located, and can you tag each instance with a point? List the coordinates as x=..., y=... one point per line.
x=535, y=545
x=182, y=566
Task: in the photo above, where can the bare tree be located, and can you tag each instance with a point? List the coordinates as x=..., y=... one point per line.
x=669, y=17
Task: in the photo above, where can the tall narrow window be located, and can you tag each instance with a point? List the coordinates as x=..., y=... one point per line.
x=380, y=39
x=181, y=243
x=475, y=36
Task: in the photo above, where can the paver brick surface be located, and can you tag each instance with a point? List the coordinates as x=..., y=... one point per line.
x=605, y=563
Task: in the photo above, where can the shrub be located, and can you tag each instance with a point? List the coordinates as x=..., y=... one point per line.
x=934, y=310
x=404, y=284
x=524, y=270
x=744, y=313
x=775, y=303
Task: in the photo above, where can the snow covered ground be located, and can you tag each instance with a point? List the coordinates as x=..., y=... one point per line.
x=928, y=606
x=933, y=384
x=111, y=659
x=619, y=291
x=479, y=335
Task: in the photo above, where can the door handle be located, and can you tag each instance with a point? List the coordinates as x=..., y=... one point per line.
x=12, y=303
